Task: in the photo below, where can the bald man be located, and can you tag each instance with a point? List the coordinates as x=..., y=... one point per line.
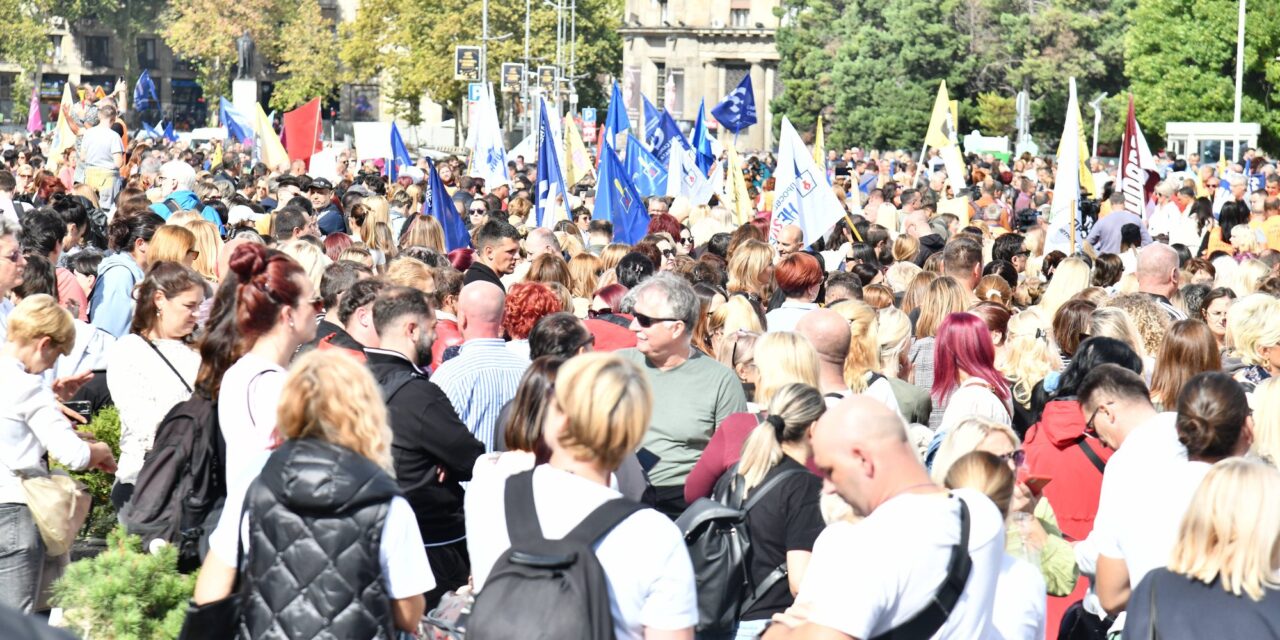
x=485, y=374
x=790, y=240
x=829, y=334
x=1158, y=276
x=868, y=579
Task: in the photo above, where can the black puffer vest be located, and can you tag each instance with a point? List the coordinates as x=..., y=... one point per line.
x=316, y=526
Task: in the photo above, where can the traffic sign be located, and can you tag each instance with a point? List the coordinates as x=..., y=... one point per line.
x=475, y=91
x=589, y=115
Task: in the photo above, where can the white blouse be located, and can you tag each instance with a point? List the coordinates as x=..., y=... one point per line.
x=31, y=424
x=144, y=389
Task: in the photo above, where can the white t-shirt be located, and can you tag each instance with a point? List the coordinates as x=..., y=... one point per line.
x=973, y=398
x=1145, y=492
x=866, y=578
x=1019, y=612
x=644, y=558
x=881, y=390
x=405, y=570
x=247, y=413
x=144, y=388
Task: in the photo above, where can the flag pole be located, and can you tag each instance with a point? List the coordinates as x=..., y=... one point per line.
x=1074, y=204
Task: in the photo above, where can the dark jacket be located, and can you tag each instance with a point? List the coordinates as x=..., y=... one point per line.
x=481, y=273
x=332, y=336
x=330, y=220
x=313, y=568
x=427, y=437
x=929, y=245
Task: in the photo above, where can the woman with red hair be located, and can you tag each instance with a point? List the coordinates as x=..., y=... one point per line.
x=965, y=379
x=335, y=243
x=799, y=277
x=665, y=223
x=526, y=303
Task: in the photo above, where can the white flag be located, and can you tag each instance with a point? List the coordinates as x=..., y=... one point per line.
x=804, y=197
x=1066, y=184
x=488, y=155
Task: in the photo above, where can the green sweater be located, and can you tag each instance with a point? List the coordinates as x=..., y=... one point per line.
x=689, y=402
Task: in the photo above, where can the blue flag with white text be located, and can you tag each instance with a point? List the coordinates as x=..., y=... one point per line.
x=618, y=201
x=651, y=118
x=702, y=141
x=667, y=134
x=738, y=109
x=440, y=205
x=647, y=174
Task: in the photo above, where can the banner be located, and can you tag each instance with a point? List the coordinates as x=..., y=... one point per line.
x=466, y=63
x=804, y=197
x=1138, y=172
x=738, y=109
x=270, y=149
x=646, y=173
x=302, y=130
x=942, y=121
x=239, y=125
x=736, y=197
x=35, y=123
x=577, y=160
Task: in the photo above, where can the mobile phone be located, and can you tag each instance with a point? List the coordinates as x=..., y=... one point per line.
x=1037, y=483
x=82, y=407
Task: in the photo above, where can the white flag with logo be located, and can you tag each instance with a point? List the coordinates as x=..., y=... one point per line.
x=489, y=156
x=684, y=178
x=804, y=197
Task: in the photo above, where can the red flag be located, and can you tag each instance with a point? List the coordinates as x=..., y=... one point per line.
x=1138, y=172
x=302, y=131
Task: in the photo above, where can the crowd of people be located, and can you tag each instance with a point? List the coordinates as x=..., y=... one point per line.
x=952, y=430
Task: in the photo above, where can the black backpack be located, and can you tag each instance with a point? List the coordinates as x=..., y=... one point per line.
x=180, y=491
x=715, y=530
x=544, y=589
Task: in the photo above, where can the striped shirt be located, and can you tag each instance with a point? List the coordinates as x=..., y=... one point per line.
x=479, y=381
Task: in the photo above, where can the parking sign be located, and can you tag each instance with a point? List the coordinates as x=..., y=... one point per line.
x=588, y=114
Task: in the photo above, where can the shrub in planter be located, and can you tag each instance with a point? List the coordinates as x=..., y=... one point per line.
x=124, y=592
x=105, y=426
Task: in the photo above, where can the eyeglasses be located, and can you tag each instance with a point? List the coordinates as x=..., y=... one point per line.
x=14, y=257
x=648, y=321
x=1089, y=429
x=667, y=253
x=596, y=313
x=479, y=212
x=1018, y=457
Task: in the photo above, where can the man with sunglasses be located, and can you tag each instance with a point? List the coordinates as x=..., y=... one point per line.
x=1118, y=405
x=693, y=393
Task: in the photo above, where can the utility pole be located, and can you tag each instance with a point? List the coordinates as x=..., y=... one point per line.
x=1235, y=119
x=573, y=56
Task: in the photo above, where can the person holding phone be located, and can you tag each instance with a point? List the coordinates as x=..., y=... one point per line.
x=32, y=425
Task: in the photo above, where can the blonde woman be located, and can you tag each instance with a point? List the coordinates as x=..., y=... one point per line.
x=737, y=350
x=751, y=272
x=1027, y=357
x=1149, y=319
x=893, y=336
x=1265, y=403
x=899, y=275
x=596, y=418
x=584, y=273
x=862, y=364
x=1032, y=529
x=1250, y=273
x=944, y=297
x=787, y=519
x=375, y=209
x=412, y=273
x=1019, y=609
x=1071, y=277
x=312, y=259
x=208, y=247
x=32, y=426
x=736, y=314
x=334, y=426
x=172, y=243
x=382, y=245
x=1223, y=577
x=916, y=290
x=357, y=253
x=791, y=359
x=1254, y=323
x=423, y=231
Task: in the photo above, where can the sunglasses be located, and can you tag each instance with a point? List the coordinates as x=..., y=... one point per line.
x=1018, y=457
x=596, y=313
x=648, y=321
x=668, y=252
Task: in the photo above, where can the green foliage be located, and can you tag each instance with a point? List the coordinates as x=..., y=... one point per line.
x=411, y=44
x=805, y=49
x=125, y=593
x=310, y=61
x=22, y=41
x=204, y=32
x=996, y=115
x=105, y=426
x=1180, y=59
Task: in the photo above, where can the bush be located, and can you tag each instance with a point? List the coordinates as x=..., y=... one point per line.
x=105, y=426
x=125, y=593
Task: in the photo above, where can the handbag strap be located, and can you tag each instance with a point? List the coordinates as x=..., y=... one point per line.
x=166, y=361
x=934, y=615
x=1152, y=633
x=1092, y=455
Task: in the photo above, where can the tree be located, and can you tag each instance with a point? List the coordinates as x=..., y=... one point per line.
x=411, y=43
x=996, y=114
x=203, y=32
x=1180, y=59
x=310, y=61
x=806, y=45
x=22, y=41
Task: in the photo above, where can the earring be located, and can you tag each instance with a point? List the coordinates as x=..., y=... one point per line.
x=290, y=323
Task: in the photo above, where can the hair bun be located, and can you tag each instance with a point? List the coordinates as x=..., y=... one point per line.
x=1194, y=432
x=248, y=260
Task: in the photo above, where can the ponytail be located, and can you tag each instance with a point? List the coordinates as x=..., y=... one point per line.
x=792, y=410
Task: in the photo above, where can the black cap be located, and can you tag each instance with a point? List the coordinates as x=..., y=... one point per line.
x=322, y=183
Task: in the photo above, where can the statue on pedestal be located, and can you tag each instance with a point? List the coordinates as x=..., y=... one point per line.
x=244, y=53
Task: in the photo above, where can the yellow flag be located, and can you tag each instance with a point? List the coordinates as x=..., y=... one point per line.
x=819, y=156
x=269, y=145
x=941, y=120
x=736, y=196
x=63, y=137
x=577, y=159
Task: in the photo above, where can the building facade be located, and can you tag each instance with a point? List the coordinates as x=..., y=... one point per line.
x=680, y=52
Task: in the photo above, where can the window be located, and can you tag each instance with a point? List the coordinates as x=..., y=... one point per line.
x=661, y=97
x=6, y=94
x=147, y=53
x=738, y=18
x=663, y=14
x=733, y=74
x=55, y=48
x=97, y=51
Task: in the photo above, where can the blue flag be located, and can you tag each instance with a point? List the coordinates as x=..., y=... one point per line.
x=668, y=134
x=616, y=120
x=236, y=123
x=439, y=205
x=651, y=119
x=618, y=201
x=738, y=109
x=168, y=131
x=702, y=141
x=646, y=173
x=150, y=130
x=144, y=93
x=399, y=154
x=550, y=177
